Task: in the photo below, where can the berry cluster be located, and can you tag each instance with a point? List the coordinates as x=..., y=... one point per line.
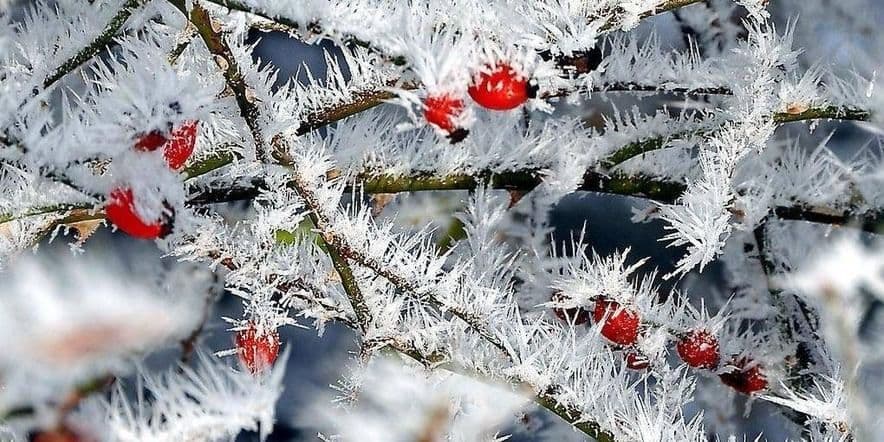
x=698, y=348
x=257, y=349
x=499, y=88
x=120, y=209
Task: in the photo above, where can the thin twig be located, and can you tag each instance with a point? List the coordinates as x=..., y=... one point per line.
x=284, y=285
x=634, y=149
x=103, y=39
x=616, y=184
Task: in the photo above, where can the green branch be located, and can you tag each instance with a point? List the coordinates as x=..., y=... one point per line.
x=44, y=210
x=572, y=415
x=612, y=183
x=361, y=102
x=348, y=281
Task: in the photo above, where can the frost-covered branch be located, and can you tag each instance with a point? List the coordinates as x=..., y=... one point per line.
x=312, y=27
x=216, y=44
x=790, y=329
x=213, y=37
x=660, y=190
x=100, y=42
x=635, y=149
x=406, y=284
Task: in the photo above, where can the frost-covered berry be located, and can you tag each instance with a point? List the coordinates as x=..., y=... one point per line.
x=577, y=315
x=637, y=361
x=150, y=141
x=61, y=434
x=501, y=88
x=620, y=324
x=699, y=349
x=257, y=351
x=120, y=210
x=744, y=376
x=177, y=148
x=442, y=111
x=181, y=144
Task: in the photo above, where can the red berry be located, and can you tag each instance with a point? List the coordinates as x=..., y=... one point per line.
x=637, y=361
x=120, y=211
x=621, y=324
x=442, y=110
x=502, y=88
x=745, y=380
x=699, y=349
x=151, y=141
x=257, y=352
x=180, y=145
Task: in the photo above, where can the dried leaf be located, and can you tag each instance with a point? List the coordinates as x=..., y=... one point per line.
x=796, y=108
x=379, y=201
x=85, y=229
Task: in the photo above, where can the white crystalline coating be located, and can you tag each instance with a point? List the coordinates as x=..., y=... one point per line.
x=422, y=404
x=212, y=402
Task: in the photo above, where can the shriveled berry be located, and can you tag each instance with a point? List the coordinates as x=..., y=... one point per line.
x=579, y=62
x=577, y=315
x=150, y=141
x=637, y=361
x=120, y=210
x=256, y=351
x=620, y=324
x=500, y=88
x=181, y=144
x=442, y=111
x=699, y=349
x=744, y=376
